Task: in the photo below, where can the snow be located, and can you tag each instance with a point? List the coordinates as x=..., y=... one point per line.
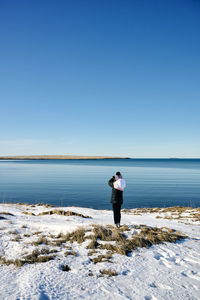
x=164, y=271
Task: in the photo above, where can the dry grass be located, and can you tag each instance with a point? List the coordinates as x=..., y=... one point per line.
x=28, y=213
x=108, y=272
x=40, y=241
x=109, y=247
x=62, y=213
x=38, y=256
x=37, y=232
x=13, y=232
x=173, y=209
x=196, y=216
x=57, y=243
x=34, y=205
x=102, y=258
x=27, y=235
x=103, y=242
x=73, y=253
x=93, y=244
x=24, y=226
x=156, y=235
x=65, y=268
x=44, y=204
x=35, y=257
x=76, y=236
x=124, y=228
x=6, y=213
x=171, y=213
x=147, y=237
x=47, y=251
x=102, y=233
x=16, y=262
x=17, y=238
x=90, y=253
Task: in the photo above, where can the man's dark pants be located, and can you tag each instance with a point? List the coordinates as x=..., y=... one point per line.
x=116, y=212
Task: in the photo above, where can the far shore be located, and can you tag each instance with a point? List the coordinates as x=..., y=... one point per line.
x=31, y=157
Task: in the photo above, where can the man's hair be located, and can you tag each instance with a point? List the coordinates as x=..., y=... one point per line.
x=118, y=174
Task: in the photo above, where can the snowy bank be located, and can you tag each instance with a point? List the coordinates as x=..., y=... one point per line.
x=75, y=253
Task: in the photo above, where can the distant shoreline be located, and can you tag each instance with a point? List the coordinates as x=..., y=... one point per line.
x=49, y=157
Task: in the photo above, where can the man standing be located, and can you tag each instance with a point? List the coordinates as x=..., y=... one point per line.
x=117, y=196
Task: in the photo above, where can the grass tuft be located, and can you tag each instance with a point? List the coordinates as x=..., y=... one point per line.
x=147, y=237
x=102, y=258
x=24, y=226
x=67, y=253
x=6, y=213
x=28, y=213
x=13, y=232
x=62, y=213
x=108, y=272
x=93, y=244
x=77, y=236
x=35, y=257
x=65, y=268
x=90, y=253
x=41, y=240
x=17, y=238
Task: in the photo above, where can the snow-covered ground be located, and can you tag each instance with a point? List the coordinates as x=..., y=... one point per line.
x=162, y=271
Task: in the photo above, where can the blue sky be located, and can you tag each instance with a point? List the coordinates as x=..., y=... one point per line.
x=100, y=77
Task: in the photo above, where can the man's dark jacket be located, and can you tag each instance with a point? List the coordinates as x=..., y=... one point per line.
x=116, y=196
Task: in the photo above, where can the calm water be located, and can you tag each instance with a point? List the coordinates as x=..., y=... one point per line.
x=150, y=182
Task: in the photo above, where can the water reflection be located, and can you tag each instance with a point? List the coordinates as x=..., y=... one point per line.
x=84, y=183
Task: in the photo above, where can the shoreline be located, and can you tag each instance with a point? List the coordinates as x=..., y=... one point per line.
x=125, y=209
x=50, y=157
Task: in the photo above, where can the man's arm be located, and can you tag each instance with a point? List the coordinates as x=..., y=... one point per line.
x=110, y=182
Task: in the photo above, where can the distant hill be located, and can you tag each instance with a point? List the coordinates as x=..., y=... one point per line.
x=60, y=157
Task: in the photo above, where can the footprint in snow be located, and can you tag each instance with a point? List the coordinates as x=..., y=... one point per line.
x=43, y=296
x=164, y=287
x=125, y=272
x=158, y=256
x=191, y=274
x=150, y=298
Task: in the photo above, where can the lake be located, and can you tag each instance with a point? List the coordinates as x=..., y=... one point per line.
x=150, y=182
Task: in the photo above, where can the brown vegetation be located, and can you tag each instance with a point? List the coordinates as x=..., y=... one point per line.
x=173, y=213
x=65, y=268
x=103, y=242
x=6, y=213
x=35, y=257
x=108, y=272
x=62, y=213
x=17, y=238
x=102, y=258
x=28, y=213
x=67, y=253
x=41, y=240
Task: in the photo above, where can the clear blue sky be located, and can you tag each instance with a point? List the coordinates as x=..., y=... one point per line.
x=102, y=77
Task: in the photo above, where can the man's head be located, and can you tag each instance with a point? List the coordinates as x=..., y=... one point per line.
x=118, y=174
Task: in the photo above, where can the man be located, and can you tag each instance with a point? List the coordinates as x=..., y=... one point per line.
x=117, y=196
